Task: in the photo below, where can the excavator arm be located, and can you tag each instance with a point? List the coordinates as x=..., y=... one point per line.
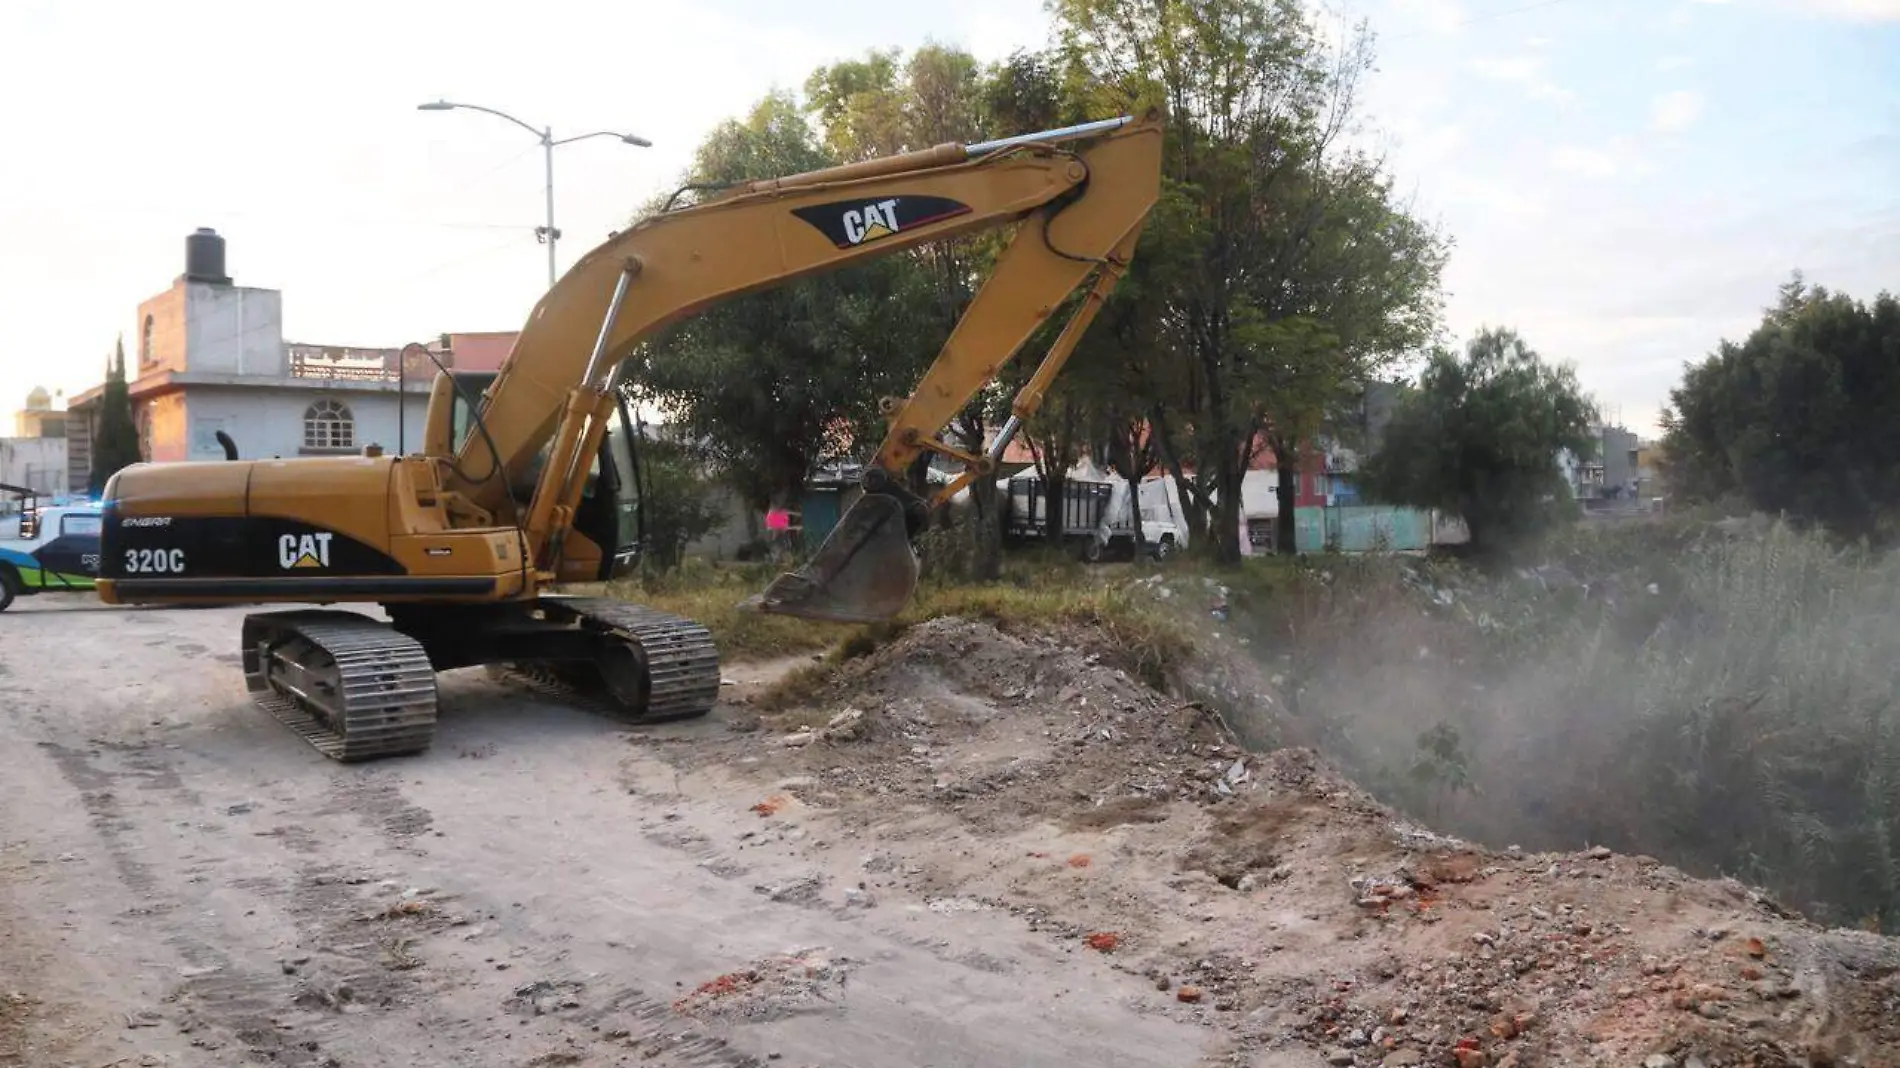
x=1077, y=197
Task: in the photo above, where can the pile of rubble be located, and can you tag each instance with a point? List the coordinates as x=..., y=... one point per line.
x=1265, y=895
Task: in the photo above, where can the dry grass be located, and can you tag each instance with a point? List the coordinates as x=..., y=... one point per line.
x=1035, y=595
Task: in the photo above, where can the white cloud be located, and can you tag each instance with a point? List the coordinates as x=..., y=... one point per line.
x=1508, y=68
x=1439, y=16
x=1527, y=71
x=1673, y=63
x=1676, y=111
x=1846, y=10
x=1590, y=162
x=1849, y=10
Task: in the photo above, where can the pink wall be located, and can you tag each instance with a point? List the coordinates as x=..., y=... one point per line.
x=481, y=352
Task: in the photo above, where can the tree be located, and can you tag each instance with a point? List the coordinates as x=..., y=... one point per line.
x=1801, y=417
x=884, y=104
x=1480, y=437
x=115, y=440
x=777, y=382
x=676, y=504
x=1290, y=273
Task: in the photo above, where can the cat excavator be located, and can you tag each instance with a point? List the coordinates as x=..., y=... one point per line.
x=532, y=482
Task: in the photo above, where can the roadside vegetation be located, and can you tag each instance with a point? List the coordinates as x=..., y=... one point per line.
x=1036, y=591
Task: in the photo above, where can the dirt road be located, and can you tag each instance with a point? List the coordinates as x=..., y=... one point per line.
x=184, y=882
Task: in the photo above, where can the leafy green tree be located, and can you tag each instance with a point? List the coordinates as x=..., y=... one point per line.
x=778, y=382
x=677, y=503
x=885, y=104
x=1802, y=417
x=1282, y=269
x=1480, y=437
x=115, y=440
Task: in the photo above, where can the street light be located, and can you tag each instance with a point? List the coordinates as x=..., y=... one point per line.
x=545, y=135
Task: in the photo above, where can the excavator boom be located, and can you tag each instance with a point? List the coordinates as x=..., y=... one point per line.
x=1077, y=208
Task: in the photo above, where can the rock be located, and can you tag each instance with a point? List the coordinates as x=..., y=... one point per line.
x=1470, y=1058
x=846, y=726
x=1403, y=1058
x=1659, y=1060
x=1356, y=1039
x=1599, y=853
x=799, y=738
x=1188, y=994
x=1339, y=1057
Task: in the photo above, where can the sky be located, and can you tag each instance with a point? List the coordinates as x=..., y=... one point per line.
x=1626, y=182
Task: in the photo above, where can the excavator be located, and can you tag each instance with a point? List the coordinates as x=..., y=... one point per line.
x=533, y=483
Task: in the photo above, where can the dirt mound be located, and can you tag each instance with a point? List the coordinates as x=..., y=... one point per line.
x=1265, y=895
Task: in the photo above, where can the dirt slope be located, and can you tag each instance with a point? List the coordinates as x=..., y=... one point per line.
x=961, y=770
x=1002, y=854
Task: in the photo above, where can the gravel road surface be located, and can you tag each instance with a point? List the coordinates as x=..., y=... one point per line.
x=184, y=882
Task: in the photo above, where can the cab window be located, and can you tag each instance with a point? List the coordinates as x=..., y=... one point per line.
x=80, y=525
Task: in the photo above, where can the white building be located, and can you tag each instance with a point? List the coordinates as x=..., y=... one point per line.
x=211, y=356
x=35, y=456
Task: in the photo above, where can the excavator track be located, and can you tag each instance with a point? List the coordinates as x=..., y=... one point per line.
x=670, y=672
x=352, y=687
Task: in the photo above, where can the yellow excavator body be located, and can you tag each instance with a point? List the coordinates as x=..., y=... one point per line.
x=531, y=481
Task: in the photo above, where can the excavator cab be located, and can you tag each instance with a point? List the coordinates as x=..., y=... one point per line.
x=611, y=513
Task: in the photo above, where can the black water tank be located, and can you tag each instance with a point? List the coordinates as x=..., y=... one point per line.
x=204, y=257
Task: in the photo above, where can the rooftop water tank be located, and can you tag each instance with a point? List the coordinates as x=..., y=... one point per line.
x=204, y=257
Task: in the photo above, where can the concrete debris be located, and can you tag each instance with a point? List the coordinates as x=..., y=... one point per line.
x=846, y=726
x=771, y=988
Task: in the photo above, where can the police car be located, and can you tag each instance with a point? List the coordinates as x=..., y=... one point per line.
x=50, y=548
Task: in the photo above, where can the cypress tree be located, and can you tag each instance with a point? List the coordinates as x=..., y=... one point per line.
x=115, y=440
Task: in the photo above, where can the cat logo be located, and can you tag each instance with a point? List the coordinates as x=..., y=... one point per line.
x=871, y=222
x=851, y=223
x=303, y=550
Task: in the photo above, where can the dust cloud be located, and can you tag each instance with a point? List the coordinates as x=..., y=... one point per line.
x=1722, y=697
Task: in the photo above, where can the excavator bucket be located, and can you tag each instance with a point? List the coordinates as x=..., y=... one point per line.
x=864, y=572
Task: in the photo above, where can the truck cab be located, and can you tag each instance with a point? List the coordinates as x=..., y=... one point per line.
x=47, y=547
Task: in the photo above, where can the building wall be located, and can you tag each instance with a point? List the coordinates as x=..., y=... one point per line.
x=36, y=463
x=234, y=330
x=161, y=423
x=161, y=341
x=481, y=351
x=268, y=422
x=78, y=450
x=1619, y=470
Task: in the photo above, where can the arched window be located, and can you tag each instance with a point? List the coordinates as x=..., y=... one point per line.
x=328, y=424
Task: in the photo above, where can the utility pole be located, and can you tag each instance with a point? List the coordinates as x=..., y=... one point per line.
x=546, y=234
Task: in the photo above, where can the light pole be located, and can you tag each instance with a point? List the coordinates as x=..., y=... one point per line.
x=545, y=135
